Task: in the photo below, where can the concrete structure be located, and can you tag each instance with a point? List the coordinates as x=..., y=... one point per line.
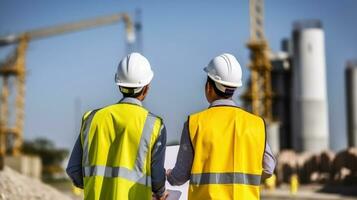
x=27, y=165
x=351, y=102
x=309, y=97
x=281, y=87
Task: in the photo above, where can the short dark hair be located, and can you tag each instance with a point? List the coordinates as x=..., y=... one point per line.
x=217, y=91
x=131, y=92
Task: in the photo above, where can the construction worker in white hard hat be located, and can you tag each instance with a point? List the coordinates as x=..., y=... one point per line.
x=223, y=150
x=120, y=152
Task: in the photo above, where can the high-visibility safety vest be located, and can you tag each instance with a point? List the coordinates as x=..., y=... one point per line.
x=229, y=144
x=117, y=141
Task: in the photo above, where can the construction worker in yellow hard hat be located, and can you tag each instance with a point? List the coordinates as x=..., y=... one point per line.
x=223, y=150
x=121, y=148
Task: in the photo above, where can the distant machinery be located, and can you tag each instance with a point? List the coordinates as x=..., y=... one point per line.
x=351, y=102
x=11, y=138
x=260, y=93
x=137, y=44
x=309, y=98
x=138, y=31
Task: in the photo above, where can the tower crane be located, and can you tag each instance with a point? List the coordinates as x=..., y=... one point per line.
x=14, y=66
x=260, y=92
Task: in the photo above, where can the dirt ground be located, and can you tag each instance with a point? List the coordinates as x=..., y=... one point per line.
x=313, y=192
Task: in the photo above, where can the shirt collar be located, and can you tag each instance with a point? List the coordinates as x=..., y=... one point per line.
x=131, y=101
x=223, y=102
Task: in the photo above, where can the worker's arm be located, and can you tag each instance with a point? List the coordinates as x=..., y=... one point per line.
x=74, y=167
x=182, y=170
x=157, y=164
x=269, y=163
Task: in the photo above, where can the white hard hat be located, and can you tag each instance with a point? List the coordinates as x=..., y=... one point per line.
x=134, y=71
x=225, y=70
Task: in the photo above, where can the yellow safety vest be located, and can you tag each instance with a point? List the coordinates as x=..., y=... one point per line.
x=229, y=144
x=117, y=142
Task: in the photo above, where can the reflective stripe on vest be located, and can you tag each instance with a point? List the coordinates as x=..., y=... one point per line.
x=225, y=178
x=112, y=172
x=86, y=127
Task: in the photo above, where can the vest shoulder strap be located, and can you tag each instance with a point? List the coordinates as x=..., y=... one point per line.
x=156, y=116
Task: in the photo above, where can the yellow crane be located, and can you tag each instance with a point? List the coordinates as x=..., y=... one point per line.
x=260, y=91
x=14, y=66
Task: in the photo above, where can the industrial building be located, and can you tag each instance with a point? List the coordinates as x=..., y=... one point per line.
x=351, y=102
x=281, y=87
x=310, y=127
x=299, y=89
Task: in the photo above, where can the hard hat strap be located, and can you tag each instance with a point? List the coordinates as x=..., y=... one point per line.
x=220, y=89
x=127, y=90
x=224, y=89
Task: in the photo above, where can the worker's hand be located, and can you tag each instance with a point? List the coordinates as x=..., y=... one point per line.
x=163, y=197
x=168, y=172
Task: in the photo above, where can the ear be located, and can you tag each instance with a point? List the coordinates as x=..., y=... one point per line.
x=146, y=89
x=209, y=87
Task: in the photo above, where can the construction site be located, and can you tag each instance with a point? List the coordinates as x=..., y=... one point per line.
x=55, y=69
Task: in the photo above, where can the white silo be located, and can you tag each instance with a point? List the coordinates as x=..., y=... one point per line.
x=351, y=98
x=309, y=97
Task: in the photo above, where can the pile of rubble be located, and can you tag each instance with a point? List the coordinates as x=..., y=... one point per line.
x=14, y=186
x=318, y=168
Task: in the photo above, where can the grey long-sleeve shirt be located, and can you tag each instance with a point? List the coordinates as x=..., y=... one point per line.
x=74, y=167
x=182, y=170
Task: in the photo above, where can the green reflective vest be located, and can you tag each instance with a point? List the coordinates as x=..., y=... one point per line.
x=117, y=142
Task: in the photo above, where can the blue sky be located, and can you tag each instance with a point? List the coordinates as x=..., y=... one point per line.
x=179, y=39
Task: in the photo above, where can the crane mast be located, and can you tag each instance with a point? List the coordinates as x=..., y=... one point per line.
x=14, y=66
x=260, y=93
